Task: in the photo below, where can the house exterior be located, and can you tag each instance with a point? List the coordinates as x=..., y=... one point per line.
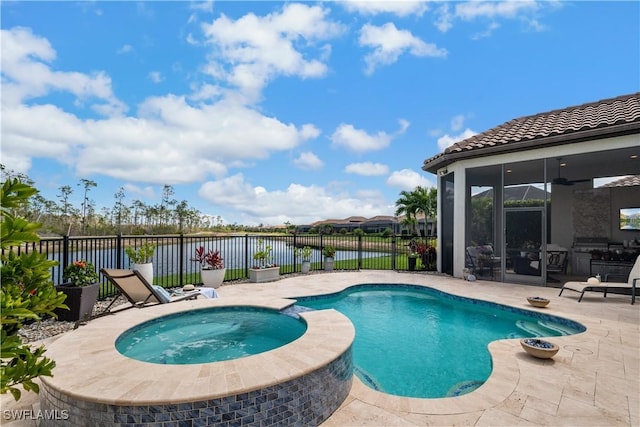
x=562, y=153
x=376, y=224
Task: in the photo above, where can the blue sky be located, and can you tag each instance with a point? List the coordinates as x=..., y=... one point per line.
x=266, y=112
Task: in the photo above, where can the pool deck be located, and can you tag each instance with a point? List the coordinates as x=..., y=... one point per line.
x=594, y=380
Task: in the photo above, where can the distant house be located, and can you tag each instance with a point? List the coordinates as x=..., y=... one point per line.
x=376, y=224
x=558, y=153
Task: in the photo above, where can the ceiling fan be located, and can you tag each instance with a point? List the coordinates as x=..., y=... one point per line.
x=564, y=181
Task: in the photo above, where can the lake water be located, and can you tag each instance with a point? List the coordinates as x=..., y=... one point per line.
x=235, y=251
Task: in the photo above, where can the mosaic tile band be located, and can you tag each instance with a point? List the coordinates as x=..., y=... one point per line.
x=304, y=401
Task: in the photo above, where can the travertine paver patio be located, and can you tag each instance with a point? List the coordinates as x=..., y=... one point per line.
x=594, y=380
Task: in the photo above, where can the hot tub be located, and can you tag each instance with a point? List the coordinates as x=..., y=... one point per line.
x=208, y=335
x=299, y=383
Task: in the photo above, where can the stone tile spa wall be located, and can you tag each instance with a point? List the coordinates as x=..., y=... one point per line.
x=303, y=401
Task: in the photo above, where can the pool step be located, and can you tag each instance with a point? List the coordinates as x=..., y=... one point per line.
x=464, y=388
x=541, y=328
x=367, y=379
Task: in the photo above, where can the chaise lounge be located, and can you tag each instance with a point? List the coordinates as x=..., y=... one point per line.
x=139, y=292
x=608, y=287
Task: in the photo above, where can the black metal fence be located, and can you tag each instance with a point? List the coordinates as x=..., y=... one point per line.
x=173, y=265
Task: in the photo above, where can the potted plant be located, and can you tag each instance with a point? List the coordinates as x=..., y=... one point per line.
x=412, y=259
x=263, y=270
x=81, y=286
x=427, y=254
x=142, y=258
x=211, y=267
x=305, y=252
x=329, y=252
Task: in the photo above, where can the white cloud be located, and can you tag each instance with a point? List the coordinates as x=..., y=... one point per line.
x=488, y=32
x=444, y=18
x=358, y=140
x=493, y=9
x=447, y=140
x=308, y=161
x=389, y=43
x=203, y=6
x=26, y=74
x=127, y=48
x=309, y=131
x=138, y=192
x=536, y=25
x=525, y=11
x=263, y=48
x=305, y=204
x=404, y=125
x=156, y=76
x=457, y=122
x=407, y=179
x=169, y=141
x=367, y=169
x=374, y=7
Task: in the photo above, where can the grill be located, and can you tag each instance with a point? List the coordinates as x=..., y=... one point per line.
x=587, y=244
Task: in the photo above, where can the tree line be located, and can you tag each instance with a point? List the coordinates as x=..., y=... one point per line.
x=169, y=216
x=63, y=217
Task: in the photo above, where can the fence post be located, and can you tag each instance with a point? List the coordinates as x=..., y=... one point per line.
x=295, y=253
x=246, y=255
x=65, y=251
x=359, y=252
x=394, y=250
x=119, y=250
x=321, y=249
x=181, y=260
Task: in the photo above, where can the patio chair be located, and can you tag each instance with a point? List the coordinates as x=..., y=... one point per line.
x=557, y=260
x=134, y=287
x=481, y=259
x=606, y=286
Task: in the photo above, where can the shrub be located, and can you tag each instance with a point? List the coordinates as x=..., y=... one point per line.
x=27, y=294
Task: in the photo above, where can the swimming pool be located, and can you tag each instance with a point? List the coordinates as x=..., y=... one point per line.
x=419, y=342
x=209, y=335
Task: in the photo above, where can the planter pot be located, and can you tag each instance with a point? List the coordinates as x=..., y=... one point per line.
x=306, y=267
x=328, y=263
x=146, y=270
x=260, y=275
x=80, y=301
x=539, y=348
x=538, y=301
x=412, y=263
x=212, y=278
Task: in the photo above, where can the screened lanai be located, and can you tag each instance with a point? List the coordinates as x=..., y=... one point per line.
x=539, y=194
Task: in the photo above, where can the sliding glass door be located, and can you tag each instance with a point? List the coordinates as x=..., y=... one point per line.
x=523, y=239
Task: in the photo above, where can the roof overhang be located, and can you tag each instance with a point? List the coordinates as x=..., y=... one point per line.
x=440, y=161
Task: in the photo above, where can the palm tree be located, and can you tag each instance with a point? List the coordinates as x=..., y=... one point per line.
x=420, y=200
x=406, y=205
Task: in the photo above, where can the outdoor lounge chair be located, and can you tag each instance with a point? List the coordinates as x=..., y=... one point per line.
x=139, y=292
x=606, y=286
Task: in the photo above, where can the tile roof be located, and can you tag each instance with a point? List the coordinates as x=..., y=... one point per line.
x=607, y=116
x=626, y=181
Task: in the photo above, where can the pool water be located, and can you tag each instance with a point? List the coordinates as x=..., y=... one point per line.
x=419, y=342
x=209, y=335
